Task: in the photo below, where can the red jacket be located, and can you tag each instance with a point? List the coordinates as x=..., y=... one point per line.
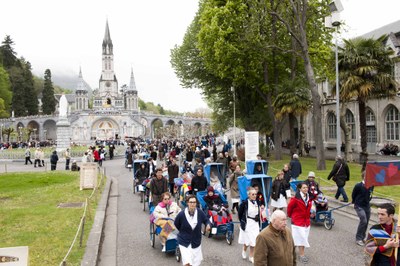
x=298, y=211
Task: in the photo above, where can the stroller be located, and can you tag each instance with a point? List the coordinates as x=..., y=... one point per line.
x=264, y=182
x=220, y=225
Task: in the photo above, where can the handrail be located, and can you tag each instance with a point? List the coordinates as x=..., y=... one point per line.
x=83, y=218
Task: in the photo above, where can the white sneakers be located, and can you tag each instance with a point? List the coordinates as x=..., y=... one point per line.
x=251, y=259
x=163, y=248
x=244, y=255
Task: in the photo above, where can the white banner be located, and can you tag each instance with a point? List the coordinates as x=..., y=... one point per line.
x=251, y=145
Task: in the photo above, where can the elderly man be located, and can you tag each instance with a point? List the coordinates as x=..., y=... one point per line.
x=274, y=245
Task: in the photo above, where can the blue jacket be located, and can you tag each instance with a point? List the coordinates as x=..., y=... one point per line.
x=295, y=167
x=187, y=235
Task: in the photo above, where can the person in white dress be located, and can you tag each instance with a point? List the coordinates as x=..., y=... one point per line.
x=278, y=196
x=249, y=217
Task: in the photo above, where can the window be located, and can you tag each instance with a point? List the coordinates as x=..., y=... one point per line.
x=392, y=124
x=349, y=118
x=331, y=126
x=370, y=116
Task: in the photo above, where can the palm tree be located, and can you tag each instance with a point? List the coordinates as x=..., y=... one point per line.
x=295, y=100
x=366, y=69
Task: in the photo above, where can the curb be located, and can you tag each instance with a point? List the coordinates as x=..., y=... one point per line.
x=95, y=236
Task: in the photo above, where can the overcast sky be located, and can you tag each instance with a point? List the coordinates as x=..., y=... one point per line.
x=63, y=35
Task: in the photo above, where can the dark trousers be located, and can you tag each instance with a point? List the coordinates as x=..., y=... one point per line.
x=341, y=191
x=171, y=188
x=28, y=159
x=37, y=161
x=67, y=163
x=53, y=166
x=363, y=215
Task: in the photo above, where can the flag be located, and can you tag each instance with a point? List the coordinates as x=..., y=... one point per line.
x=382, y=174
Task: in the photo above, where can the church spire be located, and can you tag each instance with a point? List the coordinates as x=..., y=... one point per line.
x=81, y=86
x=132, y=84
x=107, y=43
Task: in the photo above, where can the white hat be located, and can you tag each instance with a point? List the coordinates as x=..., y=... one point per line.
x=311, y=173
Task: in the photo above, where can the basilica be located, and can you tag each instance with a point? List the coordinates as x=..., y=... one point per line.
x=108, y=113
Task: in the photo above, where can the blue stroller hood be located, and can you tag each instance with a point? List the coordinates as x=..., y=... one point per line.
x=251, y=166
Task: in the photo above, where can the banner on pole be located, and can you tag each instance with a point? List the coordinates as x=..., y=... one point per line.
x=382, y=173
x=251, y=145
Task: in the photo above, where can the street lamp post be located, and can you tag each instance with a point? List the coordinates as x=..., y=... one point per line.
x=1, y=132
x=334, y=21
x=234, y=120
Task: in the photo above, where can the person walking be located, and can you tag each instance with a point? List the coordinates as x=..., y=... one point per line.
x=53, y=160
x=383, y=247
x=173, y=172
x=37, y=158
x=278, y=196
x=234, y=188
x=27, y=156
x=67, y=156
x=299, y=211
x=158, y=185
x=295, y=167
x=249, y=217
x=361, y=197
x=274, y=244
x=199, y=182
x=340, y=174
x=189, y=223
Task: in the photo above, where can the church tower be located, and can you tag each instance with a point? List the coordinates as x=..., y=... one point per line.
x=108, y=96
x=132, y=95
x=81, y=94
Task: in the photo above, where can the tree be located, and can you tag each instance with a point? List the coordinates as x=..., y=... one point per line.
x=365, y=73
x=48, y=100
x=30, y=95
x=5, y=93
x=17, y=85
x=7, y=54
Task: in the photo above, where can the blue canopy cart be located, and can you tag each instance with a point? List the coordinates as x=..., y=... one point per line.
x=251, y=167
x=215, y=170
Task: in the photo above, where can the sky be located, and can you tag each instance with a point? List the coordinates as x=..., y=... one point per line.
x=65, y=35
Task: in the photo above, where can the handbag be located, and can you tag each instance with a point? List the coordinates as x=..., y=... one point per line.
x=335, y=176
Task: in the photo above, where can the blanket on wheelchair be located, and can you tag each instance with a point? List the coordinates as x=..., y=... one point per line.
x=218, y=218
x=167, y=227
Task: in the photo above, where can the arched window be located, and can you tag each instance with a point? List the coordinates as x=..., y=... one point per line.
x=331, y=126
x=351, y=123
x=392, y=124
x=370, y=116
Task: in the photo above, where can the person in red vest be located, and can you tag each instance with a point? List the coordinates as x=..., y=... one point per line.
x=299, y=211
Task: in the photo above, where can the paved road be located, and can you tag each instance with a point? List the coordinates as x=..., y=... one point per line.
x=127, y=241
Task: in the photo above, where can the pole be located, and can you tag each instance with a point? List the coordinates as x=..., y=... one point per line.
x=234, y=121
x=338, y=135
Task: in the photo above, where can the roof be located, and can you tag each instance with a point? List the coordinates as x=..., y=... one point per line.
x=387, y=29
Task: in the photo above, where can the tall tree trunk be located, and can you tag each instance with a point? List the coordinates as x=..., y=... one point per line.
x=301, y=135
x=346, y=131
x=293, y=144
x=363, y=133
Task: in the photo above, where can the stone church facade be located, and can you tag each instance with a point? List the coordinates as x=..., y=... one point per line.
x=114, y=114
x=383, y=117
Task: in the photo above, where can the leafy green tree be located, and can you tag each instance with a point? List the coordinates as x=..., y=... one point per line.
x=18, y=93
x=30, y=95
x=7, y=54
x=365, y=73
x=5, y=93
x=48, y=100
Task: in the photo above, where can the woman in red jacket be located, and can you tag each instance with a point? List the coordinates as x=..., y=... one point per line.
x=299, y=211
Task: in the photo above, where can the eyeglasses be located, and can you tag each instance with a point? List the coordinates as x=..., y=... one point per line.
x=166, y=199
x=253, y=194
x=192, y=202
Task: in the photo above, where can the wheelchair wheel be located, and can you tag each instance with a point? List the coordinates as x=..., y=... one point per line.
x=328, y=223
x=229, y=237
x=178, y=254
x=152, y=235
